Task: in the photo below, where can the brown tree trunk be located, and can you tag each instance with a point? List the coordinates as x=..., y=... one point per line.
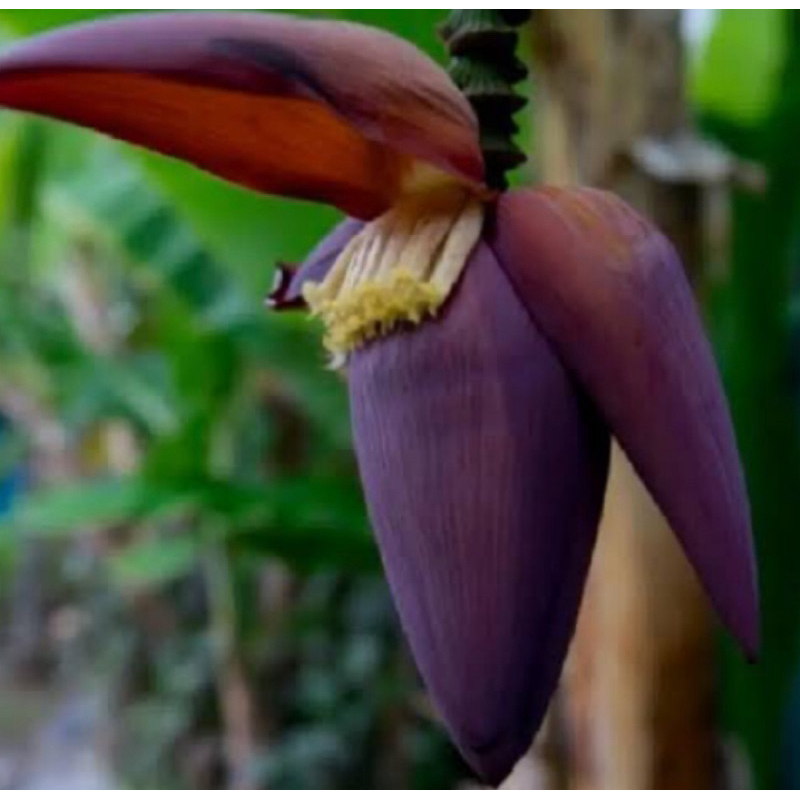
x=637, y=700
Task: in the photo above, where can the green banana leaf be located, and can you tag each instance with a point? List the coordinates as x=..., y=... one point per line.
x=749, y=94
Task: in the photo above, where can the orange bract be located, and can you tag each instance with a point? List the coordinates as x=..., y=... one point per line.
x=281, y=146
x=327, y=111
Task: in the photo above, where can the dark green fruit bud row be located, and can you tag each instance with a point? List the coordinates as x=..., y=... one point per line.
x=484, y=65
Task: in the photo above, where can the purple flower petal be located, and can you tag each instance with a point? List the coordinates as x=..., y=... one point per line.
x=287, y=293
x=484, y=469
x=609, y=291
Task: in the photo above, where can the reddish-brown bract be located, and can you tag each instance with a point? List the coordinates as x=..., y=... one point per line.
x=322, y=111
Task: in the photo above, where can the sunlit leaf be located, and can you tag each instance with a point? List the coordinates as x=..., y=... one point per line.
x=737, y=77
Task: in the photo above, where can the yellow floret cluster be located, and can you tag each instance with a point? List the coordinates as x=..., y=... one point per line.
x=373, y=308
x=400, y=269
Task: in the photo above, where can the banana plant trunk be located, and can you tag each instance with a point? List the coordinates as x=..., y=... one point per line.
x=637, y=708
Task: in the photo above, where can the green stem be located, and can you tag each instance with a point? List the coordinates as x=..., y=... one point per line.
x=484, y=65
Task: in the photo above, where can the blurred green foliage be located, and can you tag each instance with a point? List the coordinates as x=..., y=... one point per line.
x=204, y=503
x=749, y=97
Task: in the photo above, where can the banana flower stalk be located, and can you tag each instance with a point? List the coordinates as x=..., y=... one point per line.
x=492, y=341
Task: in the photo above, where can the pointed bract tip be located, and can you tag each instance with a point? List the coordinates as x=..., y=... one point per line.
x=610, y=293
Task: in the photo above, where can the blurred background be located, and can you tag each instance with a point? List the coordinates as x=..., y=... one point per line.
x=189, y=592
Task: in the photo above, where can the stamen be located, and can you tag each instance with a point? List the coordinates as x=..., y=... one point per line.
x=400, y=269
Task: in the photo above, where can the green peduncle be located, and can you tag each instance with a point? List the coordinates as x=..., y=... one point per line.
x=484, y=65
